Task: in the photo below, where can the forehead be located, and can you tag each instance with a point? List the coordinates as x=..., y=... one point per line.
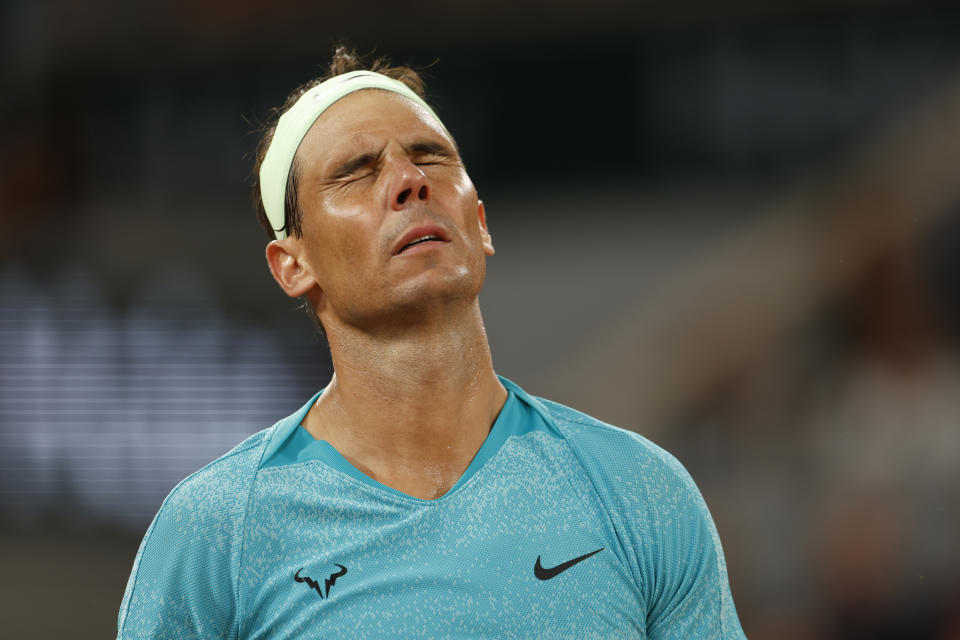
x=365, y=119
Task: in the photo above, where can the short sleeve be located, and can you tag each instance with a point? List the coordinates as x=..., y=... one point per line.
x=185, y=575
x=687, y=588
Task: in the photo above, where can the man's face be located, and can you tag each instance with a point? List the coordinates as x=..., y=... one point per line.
x=374, y=169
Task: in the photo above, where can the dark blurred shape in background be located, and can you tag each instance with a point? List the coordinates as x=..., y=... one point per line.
x=733, y=229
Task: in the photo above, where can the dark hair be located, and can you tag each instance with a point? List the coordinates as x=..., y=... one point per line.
x=344, y=61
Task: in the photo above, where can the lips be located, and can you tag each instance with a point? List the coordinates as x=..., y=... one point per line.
x=418, y=235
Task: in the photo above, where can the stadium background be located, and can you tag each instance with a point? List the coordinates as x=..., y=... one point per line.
x=735, y=229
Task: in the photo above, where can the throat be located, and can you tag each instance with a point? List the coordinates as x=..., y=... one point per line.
x=421, y=453
x=413, y=413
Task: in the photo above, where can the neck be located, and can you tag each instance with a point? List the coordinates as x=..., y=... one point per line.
x=410, y=409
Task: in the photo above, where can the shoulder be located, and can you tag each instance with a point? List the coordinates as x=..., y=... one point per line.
x=222, y=480
x=186, y=570
x=650, y=498
x=615, y=454
x=663, y=527
x=211, y=501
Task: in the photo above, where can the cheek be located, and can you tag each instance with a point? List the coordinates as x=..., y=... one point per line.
x=463, y=188
x=459, y=197
x=335, y=228
x=341, y=250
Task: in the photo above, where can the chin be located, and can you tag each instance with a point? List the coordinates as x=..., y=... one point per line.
x=404, y=302
x=435, y=292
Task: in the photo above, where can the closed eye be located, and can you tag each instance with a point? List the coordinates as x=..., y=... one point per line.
x=424, y=153
x=430, y=152
x=356, y=167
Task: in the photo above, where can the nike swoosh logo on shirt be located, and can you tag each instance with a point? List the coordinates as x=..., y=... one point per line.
x=546, y=574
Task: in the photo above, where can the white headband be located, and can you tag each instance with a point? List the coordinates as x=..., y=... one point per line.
x=294, y=124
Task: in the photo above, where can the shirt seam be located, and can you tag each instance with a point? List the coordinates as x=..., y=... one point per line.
x=578, y=454
x=243, y=549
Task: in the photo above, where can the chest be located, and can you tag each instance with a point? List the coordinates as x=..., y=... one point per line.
x=511, y=554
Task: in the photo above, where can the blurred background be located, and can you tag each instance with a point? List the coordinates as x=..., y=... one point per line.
x=732, y=227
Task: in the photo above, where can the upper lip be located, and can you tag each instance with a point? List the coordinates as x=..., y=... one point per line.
x=420, y=232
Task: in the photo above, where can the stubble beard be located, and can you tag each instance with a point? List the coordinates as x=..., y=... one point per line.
x=418, y=305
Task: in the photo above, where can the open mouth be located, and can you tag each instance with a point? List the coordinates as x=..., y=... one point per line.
x=420, y=240
x=421, y=235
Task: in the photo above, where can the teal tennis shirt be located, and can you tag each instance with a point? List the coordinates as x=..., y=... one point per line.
x=561, y=527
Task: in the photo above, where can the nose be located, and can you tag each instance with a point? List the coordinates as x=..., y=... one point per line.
x=410, y=186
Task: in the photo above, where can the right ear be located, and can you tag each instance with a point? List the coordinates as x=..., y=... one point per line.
x=293, y=276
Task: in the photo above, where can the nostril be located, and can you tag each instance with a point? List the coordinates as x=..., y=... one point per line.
x=422, y=194
x=403, y=196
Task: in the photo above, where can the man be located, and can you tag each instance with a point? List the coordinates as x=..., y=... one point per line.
x=418, y=494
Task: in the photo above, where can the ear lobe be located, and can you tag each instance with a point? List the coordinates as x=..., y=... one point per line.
x=484, y=232
x=287, y=269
